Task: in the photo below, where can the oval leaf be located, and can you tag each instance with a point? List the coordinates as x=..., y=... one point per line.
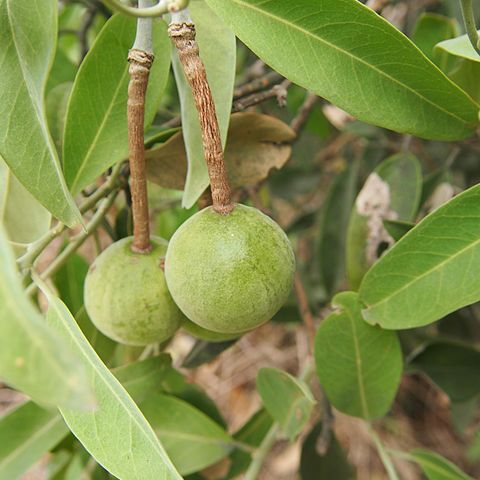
x=436, y=467
x=220, y=64
x=27, y=433
x=116, y=434
x=256, y=144
x=29, y=29
x=344, y=52
x=359, y=366
x=192, y=440
x=431, y=271
x=32, y=357
x=287, y=399
x=96, y=135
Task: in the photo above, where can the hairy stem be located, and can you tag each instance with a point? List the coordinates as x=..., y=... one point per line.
x=470, y=26
x=140, y=58
x=182, y=32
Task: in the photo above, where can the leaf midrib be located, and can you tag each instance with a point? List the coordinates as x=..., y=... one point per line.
x=345, y=52
x=438, y=266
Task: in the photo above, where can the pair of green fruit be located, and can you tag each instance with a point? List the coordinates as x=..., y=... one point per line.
x=227, y=274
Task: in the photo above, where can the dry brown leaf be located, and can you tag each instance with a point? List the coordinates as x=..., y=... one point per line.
x=256, y=144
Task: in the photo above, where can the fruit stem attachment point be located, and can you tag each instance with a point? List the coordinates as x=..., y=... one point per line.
x=140, y=63
x=182, y=32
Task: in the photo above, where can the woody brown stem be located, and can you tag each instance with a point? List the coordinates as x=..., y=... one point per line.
x=183, y=35
x=140, y=63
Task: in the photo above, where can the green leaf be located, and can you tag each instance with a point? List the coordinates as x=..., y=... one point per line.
x=56, y=104
x=28, y=37
x=142, y=378
x=27, y=433
x=436, y=467
x=431, y=271
x=466, y=76
x=397, y=228
x=116, y=434
x=359, y=366
x=347, y=54
x=192, y=440
x=69, y=281
x=288, y=400
x=460, y=47
x=455, y=368
x=24, y=219
x=33, y=358
x=204, y=352
x=335, y=217
x=221, y=75
x=331, y=464
x=62, y=71
x=252, y=433
x=96, y=135
x=431, y=29
x=392, y=191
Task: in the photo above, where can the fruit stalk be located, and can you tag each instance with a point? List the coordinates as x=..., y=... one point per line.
x=140, y=58
x=182, y=32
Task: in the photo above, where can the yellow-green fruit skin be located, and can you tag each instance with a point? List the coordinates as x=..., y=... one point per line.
x=203, y=334
x=229, y=273
x=126, y=295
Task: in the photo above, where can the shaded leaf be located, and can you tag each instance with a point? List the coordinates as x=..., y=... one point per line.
x=27, y=433
x=221, y=75
x=32, y=357
x=204, y=352
x=56, y=105
x=397, y=229
x=288, y=400
x=454, y=367
x=391, y=192
x=22, y=216
x=364, y=61
x=69, y=281
x=63, y=71
x=28, y=35
x=466, y=76
x=256, y=144
x=460, y=47
x=252, y=433
x=359, y=366
x=431, y=29
x=116, y=432
x=334, y=222
x=95, y=135
x=436, y=467
x=192, y=440
x=332, y=464
x=431, y=271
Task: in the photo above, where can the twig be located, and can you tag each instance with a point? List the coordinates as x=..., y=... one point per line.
x=325, y=437
x=182, y=32
x=77, y=242
x=470, y=25
x=141, y=59
x=277, y=91
x=384, y=456
x=304, y=308
x=112, y=183
x=304, y=112
x=257, y=84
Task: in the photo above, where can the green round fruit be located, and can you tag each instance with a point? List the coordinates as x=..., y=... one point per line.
x=203, y=334
x=126, y=295
x=229, y=273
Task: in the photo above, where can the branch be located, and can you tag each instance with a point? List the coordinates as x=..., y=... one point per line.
x=277, y=91
x=182, y=32
x=304, y=308
x=304, y=112
x=257, y=84
x=141, y=59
